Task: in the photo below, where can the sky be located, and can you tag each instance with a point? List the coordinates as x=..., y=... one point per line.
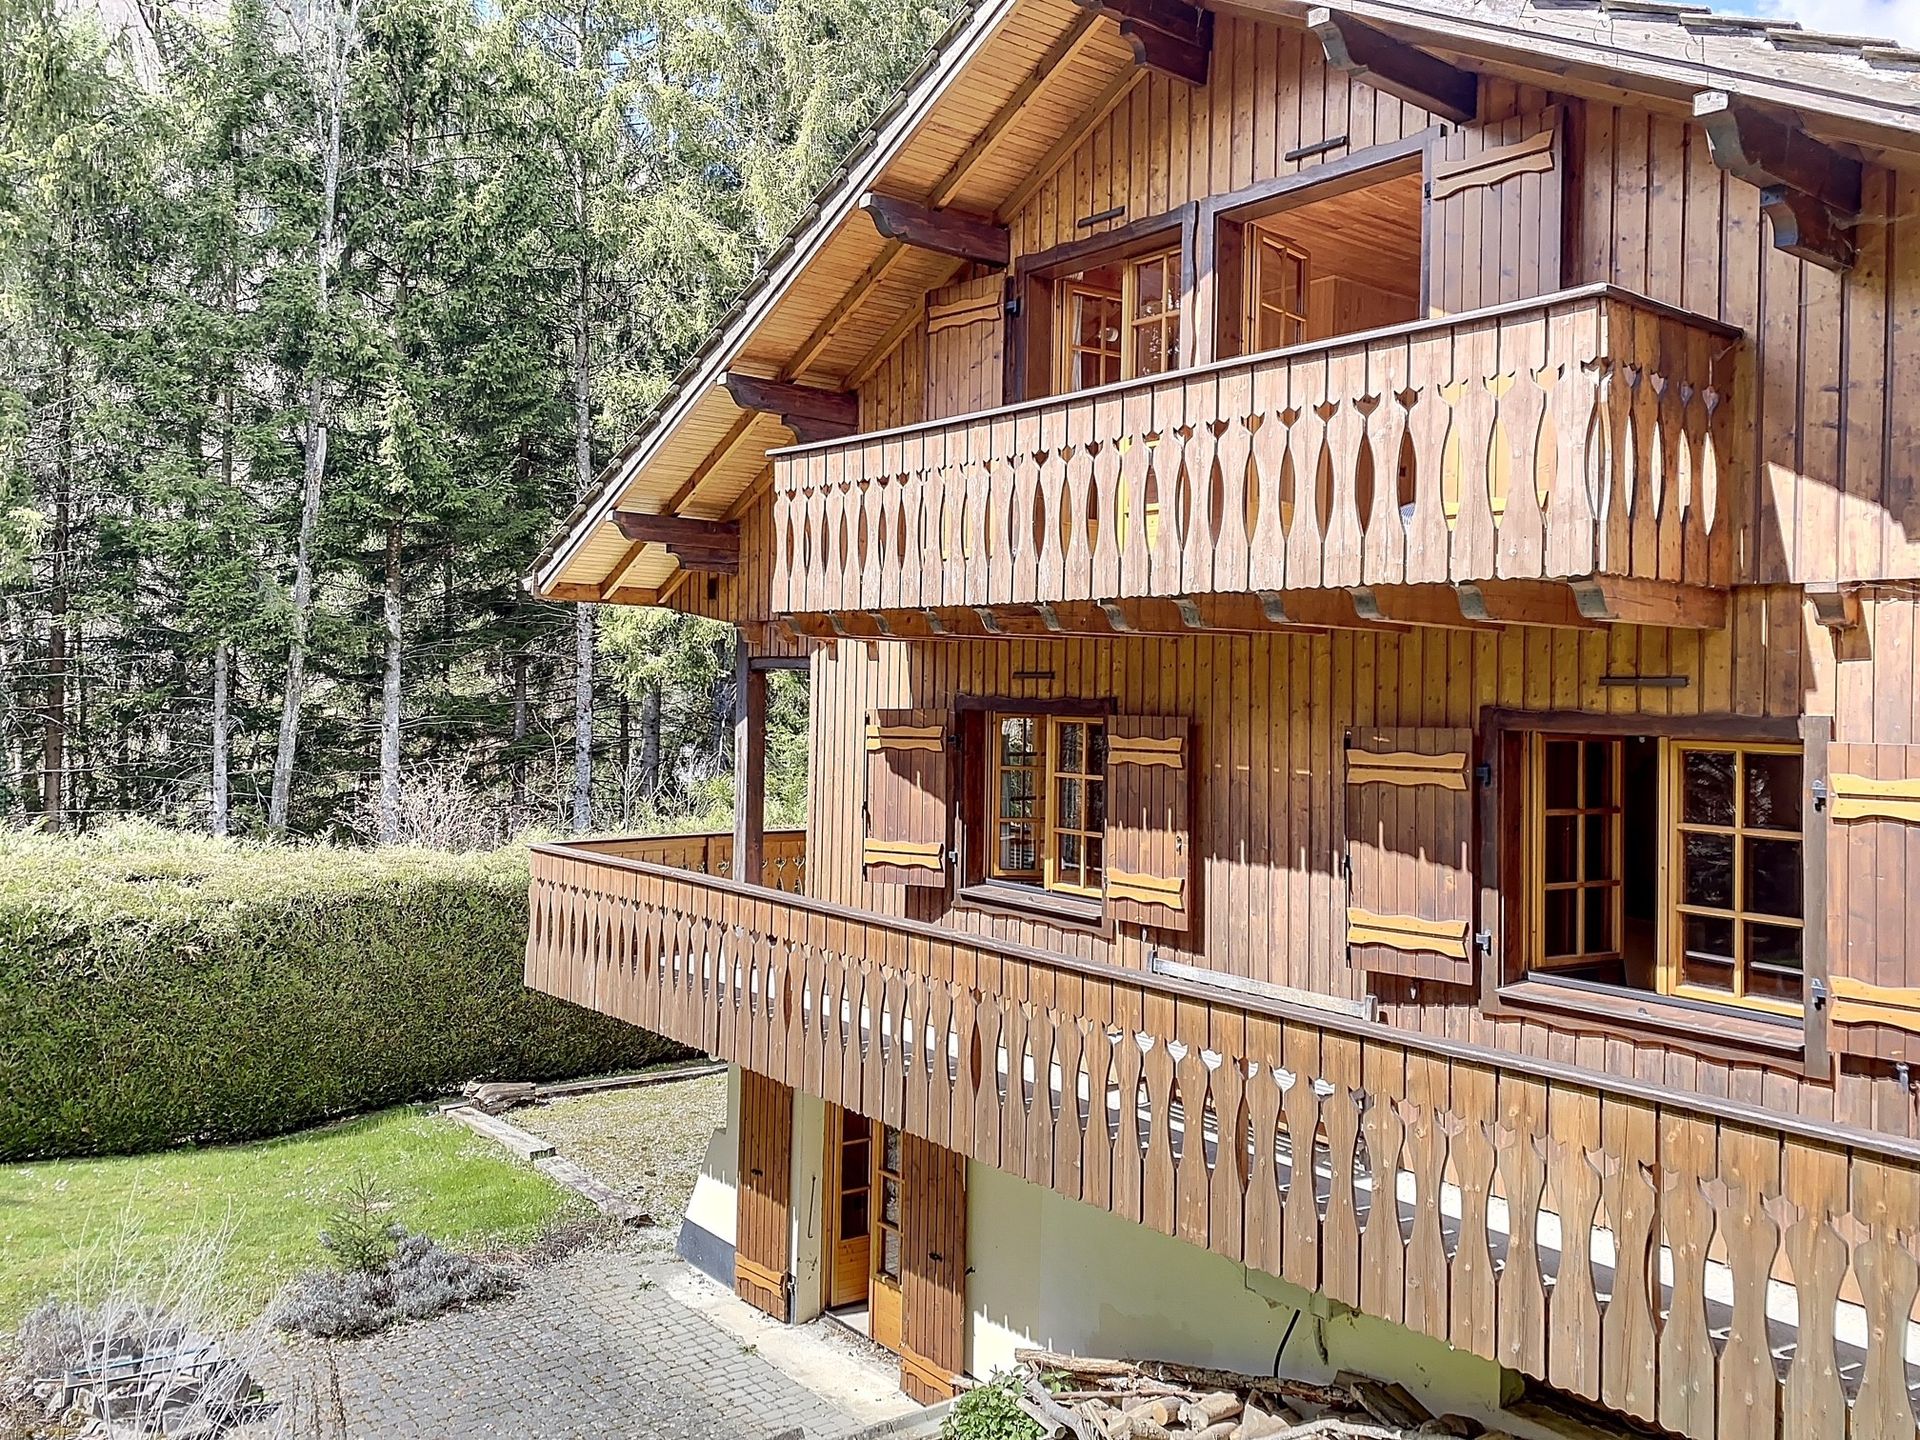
x=1890, y=19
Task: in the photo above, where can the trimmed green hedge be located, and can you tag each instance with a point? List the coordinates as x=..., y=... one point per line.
x=157, y=989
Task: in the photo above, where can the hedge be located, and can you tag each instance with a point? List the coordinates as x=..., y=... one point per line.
x=158, y=989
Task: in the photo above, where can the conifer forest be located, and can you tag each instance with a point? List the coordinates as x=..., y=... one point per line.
x=316, y=316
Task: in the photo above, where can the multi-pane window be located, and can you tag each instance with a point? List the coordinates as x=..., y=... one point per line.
x=1093, y=337
x=1153, y=312
x=1048, y=787
x=886, y=1217
x=1279, y=293
x=1737, y=873
x=1669, y=865
x=1119, y=321
x=1580, y=860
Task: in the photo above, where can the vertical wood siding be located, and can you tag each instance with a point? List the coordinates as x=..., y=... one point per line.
x=1270, y=808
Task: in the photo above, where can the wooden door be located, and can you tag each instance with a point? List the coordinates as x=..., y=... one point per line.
x=850, y=1166
x=761, y=1243
x=934, y=1264
x=889, y=1207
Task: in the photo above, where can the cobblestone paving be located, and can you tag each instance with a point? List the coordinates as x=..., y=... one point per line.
x=592, y=1346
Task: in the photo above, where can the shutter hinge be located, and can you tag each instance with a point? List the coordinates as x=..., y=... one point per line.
x=1818, y=989
x=1012, y=307
x=1819, y=797
x=1483, y=941
x=953, y=739
x=1346, y=866
x=1483, y=772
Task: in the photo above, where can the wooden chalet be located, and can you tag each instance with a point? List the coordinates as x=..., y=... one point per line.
x=1357, y=570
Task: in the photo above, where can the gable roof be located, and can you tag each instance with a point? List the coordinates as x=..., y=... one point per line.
x=1007, y=93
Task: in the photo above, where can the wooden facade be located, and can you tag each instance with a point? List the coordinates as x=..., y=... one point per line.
x=1624, y=461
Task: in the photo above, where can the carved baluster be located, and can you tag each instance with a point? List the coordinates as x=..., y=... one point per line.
x=964, y=1066
x=1267, y=546
x=1168, y=460
x=1303, y=1127
x=1476, y=372
x=784, y=474
x=1470, y=1151
x=1102, y=1127
x=1264, y=1210
x=1197, y=494
x=1109, y=494
x=1227, y=1199
x=1039, y=1116
x=1429, y=420
x=1129, y=1064
x=1233, y=449
x=988, y=1109
x=1306, y=449
x=1068, y=1143
x=1749, y=1385
x=1136, y=460
x=1578, y=434
x=1521, y=550
x=1520, y=1298
x=1688, y=1384
x=1383, y=1259
x=1426, y=1261
x=1346, y=436
x=1883, y=1263
x=1384, y=548
x=1649, y=481
x=1053, y=511
x=1573, y=1306
x=1157, y=1173
x=1078, y=499
x=1193, y=1182
x=1017, y=526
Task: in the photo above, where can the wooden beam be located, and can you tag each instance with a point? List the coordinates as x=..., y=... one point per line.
x=808, y=411
x=707, y=545
x=1394, y=67
x=1523, y=602
x=1622, y=601
x=1809, y=190
x=1102, y=106
x=959, y=233
x=1437, y=606
x=1169, y=36
x=1836, y=606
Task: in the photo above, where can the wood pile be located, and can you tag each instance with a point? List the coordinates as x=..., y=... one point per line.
x=1089, y=1399
x=123, y=1388
x=497, y=1097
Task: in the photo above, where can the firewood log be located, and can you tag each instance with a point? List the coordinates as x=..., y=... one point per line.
x=1210, y=1410
x=1049, y=1360
x=1257, y=1424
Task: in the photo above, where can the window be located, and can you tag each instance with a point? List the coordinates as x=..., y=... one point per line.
x=1736, y=874
x=1119, y=320
x=1048, y=789
x=1277, y=305
x=1667, y=865
x=886, y=1219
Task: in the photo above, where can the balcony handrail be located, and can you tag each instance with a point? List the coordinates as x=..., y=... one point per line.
x=1360, y=339
x=1830, y=1133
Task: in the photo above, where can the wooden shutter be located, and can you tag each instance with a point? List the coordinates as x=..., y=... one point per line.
x=1494, y=212
x=908, y=778
x=933, y=1270
x=1410, y=889
x=1871, y=837
x=761, y=1276
x=966, y=340
x=1149, y=840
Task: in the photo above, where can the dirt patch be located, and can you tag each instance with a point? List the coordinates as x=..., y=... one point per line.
x=646, y=1145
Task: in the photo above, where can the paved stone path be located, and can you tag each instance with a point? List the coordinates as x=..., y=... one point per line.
x=592, y=1346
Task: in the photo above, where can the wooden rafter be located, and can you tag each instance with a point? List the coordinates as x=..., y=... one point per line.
x=1071, y=41
x=1103, y=105
x=706, y=545
x=810, y=412
x=959, y=233
x=1394, y=67
x=891, y=254
x=1809, y=191
x=1170, y=36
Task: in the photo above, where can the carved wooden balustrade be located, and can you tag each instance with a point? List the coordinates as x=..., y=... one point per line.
x=1581, y=434
x=1701, y=1264
x=783, y=863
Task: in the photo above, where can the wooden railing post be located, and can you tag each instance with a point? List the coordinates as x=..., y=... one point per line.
x=749, y=764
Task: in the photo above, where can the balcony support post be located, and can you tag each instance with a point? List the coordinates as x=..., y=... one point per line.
x=749, y=763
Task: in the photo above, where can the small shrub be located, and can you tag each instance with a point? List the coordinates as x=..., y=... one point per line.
x=988, y=1412
x=359, y=1235
x=418, y=1281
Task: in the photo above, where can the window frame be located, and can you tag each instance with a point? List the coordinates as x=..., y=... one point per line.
x=976, y=816
x=1512, y=988
x=1035, y=366
x=1253, y=305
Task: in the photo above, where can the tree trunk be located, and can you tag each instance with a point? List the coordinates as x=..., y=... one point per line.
x=583, y=476
x=345, y=24
x=519, y=740
x=218, y=821
x=53, y=734
x=392, y=610
x=649, y=744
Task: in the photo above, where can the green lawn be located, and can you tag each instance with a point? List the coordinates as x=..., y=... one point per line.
x=237, y=1221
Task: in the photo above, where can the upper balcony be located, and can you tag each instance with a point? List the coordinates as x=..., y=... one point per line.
x=1562, y=460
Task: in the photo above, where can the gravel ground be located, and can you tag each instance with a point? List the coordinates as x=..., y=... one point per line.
x=646, y=1144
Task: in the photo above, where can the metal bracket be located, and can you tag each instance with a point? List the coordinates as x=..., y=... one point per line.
x=1483, y=772
x=1483, y=941
x=1819, y=795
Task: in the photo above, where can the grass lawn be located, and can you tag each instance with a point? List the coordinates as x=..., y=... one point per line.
x=82, y=1228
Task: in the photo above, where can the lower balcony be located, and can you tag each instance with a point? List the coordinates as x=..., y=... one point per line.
x=1583, y=439
x=1698, y=1263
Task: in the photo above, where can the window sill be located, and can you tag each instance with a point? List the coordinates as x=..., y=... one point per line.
x=1001, y=897
x=1700, y=1026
